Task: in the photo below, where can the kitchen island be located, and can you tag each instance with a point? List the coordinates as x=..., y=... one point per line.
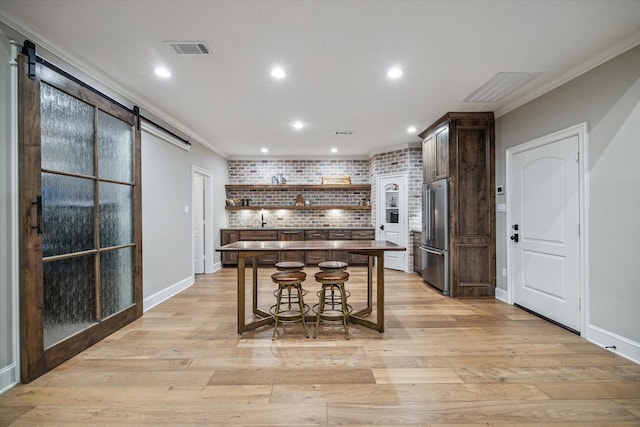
x=230, y=235
x=251, y=250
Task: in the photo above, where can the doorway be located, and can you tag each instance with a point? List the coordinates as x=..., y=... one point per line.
x=201, y=220
x=392, y=217
x=545, y=253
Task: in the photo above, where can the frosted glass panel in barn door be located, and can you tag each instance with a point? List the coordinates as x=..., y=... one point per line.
x=68, y=214
x=75, y=297
x=392, y=217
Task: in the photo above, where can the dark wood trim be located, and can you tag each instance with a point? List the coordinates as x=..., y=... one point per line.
x=137, y=218
x=31, y=296
x=35, y=360
x=63, y=351
x=487, y=115
x=70, y=87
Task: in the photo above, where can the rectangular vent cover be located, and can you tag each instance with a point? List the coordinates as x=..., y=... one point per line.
x=499, y=86
x=189, y=48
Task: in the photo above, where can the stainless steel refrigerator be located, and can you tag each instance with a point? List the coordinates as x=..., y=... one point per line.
x=435, y=234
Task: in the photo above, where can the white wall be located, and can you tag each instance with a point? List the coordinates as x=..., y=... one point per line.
x=9, y=359
x=206, y=159
x=167, y=266
x=608, y=99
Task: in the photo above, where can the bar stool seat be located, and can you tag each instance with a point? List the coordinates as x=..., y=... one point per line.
x=328, y=308
x=288, y=280
x=289, y=266
x=332, y=265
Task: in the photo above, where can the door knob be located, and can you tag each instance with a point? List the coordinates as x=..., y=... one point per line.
x=514, y=237
x=382, y=227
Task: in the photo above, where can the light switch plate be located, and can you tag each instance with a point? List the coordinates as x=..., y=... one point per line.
x=502, y=207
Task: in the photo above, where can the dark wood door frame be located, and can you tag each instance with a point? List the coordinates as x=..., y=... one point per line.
x=35, y=359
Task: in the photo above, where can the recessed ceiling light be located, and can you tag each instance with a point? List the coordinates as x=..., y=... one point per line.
x=411, y=129
x=334, y=150
x=394, y=73
x=297, y=124
x=162, y=72
x=278, y=73
x=265, y=150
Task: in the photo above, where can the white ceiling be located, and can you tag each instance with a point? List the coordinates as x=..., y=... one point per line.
x=336, y=54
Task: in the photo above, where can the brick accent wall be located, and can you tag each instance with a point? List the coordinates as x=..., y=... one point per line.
x=296, y=171
x=407, y=160
x=299, y=172
x=299, y=219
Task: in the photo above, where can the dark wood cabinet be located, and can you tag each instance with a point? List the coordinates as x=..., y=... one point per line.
x=435, y=154
x=356, y=259
x=314, y=257
x=268, y=259
x=308, y=257
x=470, y=166
x=226, y=237
x=339, y=255
x=291, y=236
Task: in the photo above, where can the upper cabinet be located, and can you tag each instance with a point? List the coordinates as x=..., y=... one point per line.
x=435, y=153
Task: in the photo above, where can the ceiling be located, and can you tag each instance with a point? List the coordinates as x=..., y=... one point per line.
x=336, y=55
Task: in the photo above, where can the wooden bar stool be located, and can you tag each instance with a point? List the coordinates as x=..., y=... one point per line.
x=334, y=266
x=328, y=308
x=290, y=266
x=289, y=280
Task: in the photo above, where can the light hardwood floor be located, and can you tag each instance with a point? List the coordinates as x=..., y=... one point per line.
x=439, y=362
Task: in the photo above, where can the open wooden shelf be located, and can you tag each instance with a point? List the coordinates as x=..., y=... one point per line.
x=300, y=208
x=298, y=187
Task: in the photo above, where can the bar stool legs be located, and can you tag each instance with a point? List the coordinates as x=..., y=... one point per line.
x=289, y=281
x=289, y=266
x=332, y=281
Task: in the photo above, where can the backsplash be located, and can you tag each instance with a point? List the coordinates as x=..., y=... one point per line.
x=299, y=219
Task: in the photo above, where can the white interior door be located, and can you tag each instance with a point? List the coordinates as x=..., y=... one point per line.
x=199, y=253
x=392, y=218
x=545, y=248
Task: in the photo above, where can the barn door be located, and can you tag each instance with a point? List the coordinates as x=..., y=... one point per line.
x=80, y=234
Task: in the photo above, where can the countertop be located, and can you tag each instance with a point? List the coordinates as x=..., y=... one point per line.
x=299, y=228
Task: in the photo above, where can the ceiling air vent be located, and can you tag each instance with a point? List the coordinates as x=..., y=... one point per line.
x=499, y=86
x=189, y=48
x=343, y=132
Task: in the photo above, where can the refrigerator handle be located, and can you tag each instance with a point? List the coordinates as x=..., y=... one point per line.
x=427, y=213
x=432, y=214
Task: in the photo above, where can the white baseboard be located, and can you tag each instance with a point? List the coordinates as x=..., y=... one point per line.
x=623, y=346
x=8, y=377
x=216, y=266
x=155, y=299
x=501, y=294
